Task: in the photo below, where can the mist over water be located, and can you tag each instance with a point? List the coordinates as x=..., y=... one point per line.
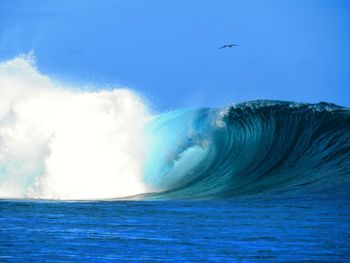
x=60, y=142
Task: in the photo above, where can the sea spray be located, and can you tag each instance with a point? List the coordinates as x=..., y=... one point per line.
x=60, y=142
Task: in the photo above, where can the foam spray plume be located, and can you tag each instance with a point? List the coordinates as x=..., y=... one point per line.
x=66, y=143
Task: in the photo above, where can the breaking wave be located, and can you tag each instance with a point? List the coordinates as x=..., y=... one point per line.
x=68, y=143
x=250, y=148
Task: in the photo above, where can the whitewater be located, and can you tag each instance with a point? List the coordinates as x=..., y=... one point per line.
x=66, y=142
x=62, y=142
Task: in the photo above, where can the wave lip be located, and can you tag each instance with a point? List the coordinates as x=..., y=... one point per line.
x=249, y=148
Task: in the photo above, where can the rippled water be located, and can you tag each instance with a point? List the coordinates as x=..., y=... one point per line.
x=250, y=229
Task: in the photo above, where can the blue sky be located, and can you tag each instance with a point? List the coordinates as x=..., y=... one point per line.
x=168, y=50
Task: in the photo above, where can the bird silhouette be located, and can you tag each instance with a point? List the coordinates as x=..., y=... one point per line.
x=229, y=45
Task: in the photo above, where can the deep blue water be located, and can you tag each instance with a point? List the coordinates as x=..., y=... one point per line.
x=254, y=229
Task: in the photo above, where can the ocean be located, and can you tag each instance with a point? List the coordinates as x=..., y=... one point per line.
x=95, y=176
x=256, y=229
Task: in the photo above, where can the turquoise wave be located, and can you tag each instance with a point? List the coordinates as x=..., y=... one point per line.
x=249, y=148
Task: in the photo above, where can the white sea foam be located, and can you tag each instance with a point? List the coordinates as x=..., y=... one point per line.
x=65, y=143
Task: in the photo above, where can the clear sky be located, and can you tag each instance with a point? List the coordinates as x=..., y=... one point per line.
x=168, y=50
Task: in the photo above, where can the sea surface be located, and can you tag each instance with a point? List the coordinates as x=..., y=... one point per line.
x=94, y=177
x=255, y=229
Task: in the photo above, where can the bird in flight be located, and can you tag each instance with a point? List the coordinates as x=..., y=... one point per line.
x=229, y=45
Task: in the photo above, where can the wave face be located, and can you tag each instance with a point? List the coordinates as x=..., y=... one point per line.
x=60, y=142
x=250, y=148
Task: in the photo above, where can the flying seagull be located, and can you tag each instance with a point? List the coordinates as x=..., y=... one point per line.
x=229, y=45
